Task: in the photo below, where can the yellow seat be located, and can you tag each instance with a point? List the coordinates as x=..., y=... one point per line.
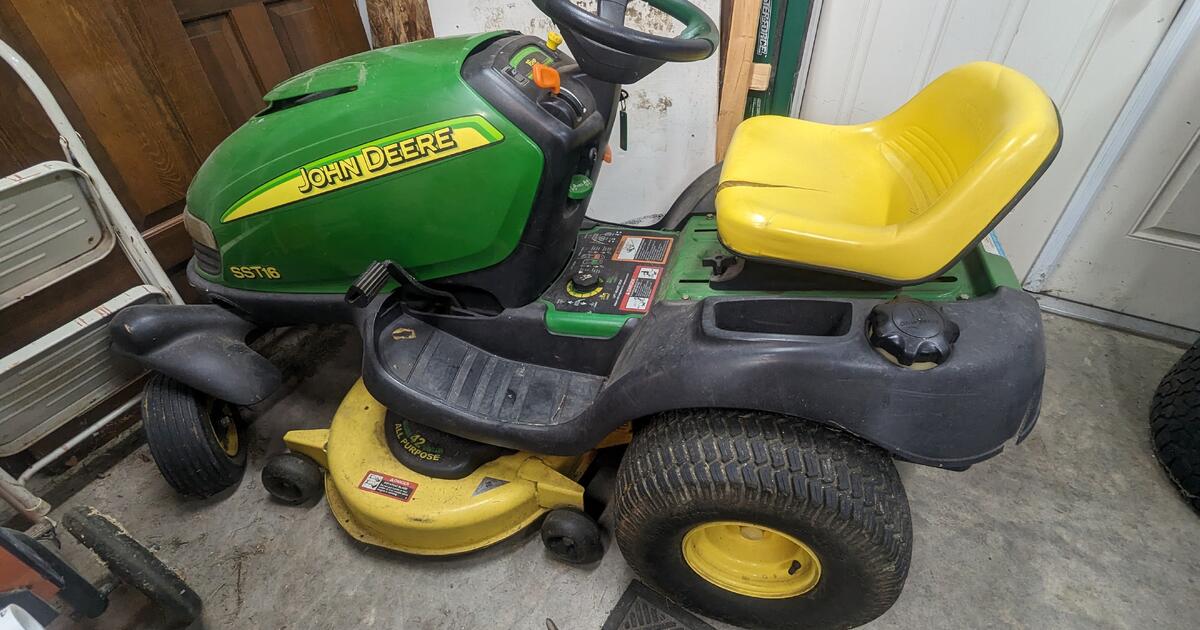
x=900, y=199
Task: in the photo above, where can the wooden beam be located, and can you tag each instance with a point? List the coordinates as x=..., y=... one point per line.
x=398, y=21
x=760, y=76
x=739, y=62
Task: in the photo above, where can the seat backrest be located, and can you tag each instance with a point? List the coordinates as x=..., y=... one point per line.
x=967, y=147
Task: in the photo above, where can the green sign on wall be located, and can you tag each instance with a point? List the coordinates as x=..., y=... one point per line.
x=782, y=27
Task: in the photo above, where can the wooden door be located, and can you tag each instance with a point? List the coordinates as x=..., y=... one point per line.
x=245, y=48
x=152, y=86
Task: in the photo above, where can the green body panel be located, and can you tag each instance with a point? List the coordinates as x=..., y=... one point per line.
x=463, y=211
x=978, y=273
x=594, y=325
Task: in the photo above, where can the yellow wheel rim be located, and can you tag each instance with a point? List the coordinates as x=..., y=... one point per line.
x=227, y=435
x=751, y=560
x=230, y=441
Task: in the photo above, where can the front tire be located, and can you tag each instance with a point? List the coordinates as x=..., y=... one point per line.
x=763, y=521
x=196, y=440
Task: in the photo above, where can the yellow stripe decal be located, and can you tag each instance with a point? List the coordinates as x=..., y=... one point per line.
x=387, y=155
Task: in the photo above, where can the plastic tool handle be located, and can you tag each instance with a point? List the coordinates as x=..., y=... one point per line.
x=369, y=284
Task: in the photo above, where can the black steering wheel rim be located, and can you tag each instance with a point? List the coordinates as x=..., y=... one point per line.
x=698, y=40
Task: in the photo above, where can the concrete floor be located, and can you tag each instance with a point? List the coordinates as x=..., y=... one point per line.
x=1075, y=528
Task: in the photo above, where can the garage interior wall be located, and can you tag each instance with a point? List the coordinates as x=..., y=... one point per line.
x=672, y=113
x=870, y=56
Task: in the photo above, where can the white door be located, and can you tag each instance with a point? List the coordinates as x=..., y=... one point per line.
x=1137, y=250
x=870, y=56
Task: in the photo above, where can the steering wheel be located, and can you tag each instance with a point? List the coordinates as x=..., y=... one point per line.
x=699, y=39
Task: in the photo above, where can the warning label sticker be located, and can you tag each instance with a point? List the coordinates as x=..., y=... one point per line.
x=647, y=249
x=488, y=483
x=640, y=292
x=388, y=486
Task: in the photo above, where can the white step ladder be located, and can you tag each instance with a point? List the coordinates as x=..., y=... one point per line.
x=57, y=218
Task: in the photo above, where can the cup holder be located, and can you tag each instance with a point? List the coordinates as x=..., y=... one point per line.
x=809, y=318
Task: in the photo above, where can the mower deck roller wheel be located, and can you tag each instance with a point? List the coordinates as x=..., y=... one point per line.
x=195, y=439
x=763, y=521
x=572, y=536
x=293, y=478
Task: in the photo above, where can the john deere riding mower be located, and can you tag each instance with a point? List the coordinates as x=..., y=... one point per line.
x=807, y=312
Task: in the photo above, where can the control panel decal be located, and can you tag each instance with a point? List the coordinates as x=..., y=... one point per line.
x=641, y=289
x=644, y=249
x=525, y=58
x=615, y=271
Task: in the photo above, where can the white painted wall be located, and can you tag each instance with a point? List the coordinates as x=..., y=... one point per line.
x=672, y=113
x=871, y=55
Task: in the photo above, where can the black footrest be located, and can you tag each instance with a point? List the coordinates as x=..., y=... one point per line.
x=472, y=384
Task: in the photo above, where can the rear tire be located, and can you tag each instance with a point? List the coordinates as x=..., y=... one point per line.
x=196, y=440
x=823, y=514
x=1175, y=425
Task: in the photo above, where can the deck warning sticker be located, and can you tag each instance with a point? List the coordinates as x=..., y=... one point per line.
x=645, y=249
x=488, y=483
x=640, y=292
x=388, y=486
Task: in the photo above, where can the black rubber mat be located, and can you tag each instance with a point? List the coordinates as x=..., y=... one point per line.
x=642, y=609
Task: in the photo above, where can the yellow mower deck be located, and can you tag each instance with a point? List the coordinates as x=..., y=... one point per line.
x=381, y=502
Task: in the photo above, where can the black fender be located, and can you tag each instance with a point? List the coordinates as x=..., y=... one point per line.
x=682, y=356
x=200, y=345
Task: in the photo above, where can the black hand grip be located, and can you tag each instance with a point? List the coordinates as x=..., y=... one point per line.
x=369, y=284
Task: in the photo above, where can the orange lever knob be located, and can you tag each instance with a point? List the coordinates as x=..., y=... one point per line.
x=546, y=77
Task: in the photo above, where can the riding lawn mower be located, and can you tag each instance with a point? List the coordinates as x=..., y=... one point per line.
x=825, y=301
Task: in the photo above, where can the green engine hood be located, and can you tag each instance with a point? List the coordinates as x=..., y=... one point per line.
x=387, y=154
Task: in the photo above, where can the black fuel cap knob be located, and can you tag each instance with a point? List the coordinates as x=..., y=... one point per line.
x=912, y=331
x=585, y=281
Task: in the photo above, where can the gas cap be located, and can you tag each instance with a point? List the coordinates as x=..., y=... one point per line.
x=912, y=332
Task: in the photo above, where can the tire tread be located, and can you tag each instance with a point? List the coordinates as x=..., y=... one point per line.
x=776, y=463
x=1175, y=425
x=181, y=443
